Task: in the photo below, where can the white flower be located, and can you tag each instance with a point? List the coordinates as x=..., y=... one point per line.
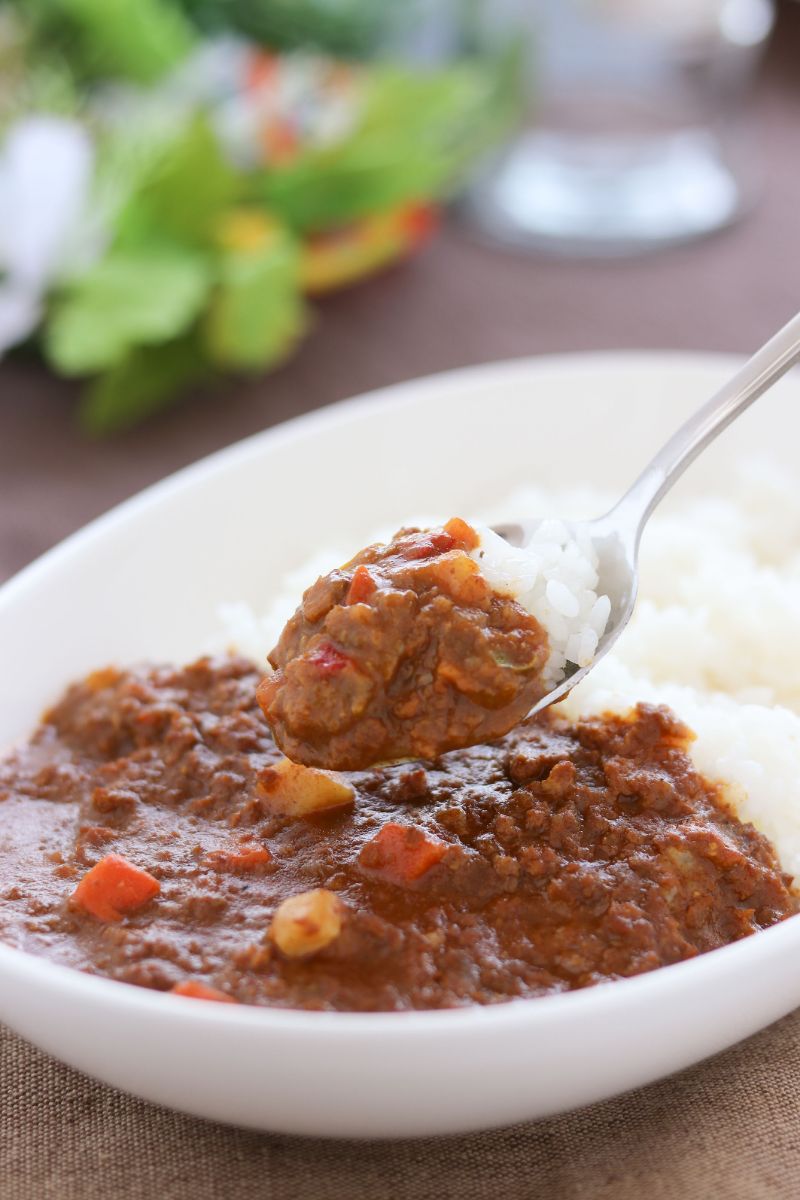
x=46, y=168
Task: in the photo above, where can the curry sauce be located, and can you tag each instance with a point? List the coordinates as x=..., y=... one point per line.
x=151, y=831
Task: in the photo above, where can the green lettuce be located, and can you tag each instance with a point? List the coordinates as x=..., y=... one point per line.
x=141, y=384
x=257, y=313
x=128, y=299
x=139, y=40
x=417, y=135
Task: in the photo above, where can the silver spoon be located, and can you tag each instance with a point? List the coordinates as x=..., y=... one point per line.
x=616, y=536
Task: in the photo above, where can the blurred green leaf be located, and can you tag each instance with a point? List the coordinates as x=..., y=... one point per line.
x=137, y=39
x=351, y=28
x=257, y=314
x=143, y=383
x=173, y=295
x=126, y=300
x=32, y=78
x=186, y=188
x=129, y=158
x=417, y=134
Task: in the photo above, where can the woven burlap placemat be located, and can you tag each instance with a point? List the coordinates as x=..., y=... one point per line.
x=727, y=1128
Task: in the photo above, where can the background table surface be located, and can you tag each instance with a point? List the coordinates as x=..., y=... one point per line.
x=728, y=1128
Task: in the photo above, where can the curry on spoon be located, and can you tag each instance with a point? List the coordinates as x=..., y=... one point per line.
x=448, y=637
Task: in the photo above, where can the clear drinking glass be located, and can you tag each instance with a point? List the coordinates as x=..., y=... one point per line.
x=635, y=138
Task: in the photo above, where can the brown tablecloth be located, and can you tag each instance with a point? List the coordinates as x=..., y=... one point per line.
x=728, y=1128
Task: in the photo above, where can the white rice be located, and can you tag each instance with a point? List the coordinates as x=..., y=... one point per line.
x=716, y=633
x=555, y=579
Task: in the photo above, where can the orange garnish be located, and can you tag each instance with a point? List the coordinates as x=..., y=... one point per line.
x=114, y=887
x=401, y=853
x=362, y=585
x=200, y=991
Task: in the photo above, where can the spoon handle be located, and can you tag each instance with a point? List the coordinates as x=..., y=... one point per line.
x=758, y=374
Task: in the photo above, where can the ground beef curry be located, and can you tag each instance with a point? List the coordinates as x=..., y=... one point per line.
x=405, y=652
x=152, y=832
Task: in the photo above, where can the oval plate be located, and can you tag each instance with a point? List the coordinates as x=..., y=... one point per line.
x=145, y=582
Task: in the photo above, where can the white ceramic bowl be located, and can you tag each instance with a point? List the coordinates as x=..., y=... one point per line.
x=145, y=582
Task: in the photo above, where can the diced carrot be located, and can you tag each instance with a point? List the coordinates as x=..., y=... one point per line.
x=246, y=858
x=442, y=540
x=362, y=585
x=114, y=887
x=426, y=545
x=401, y=853
x=200, y=991
x=328, y=658
x=463, y=533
